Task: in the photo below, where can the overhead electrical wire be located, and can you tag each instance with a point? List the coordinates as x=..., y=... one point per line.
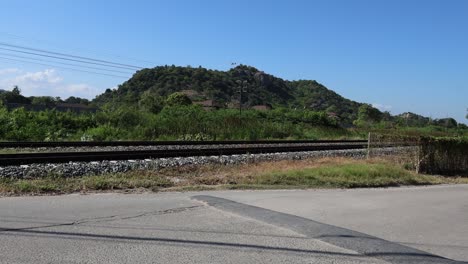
x=63, y=63
x=68, y=59
x=71, y=56
x=12, y=53
x=66, y=68
x=34, y=40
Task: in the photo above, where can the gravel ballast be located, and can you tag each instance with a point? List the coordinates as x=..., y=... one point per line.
x=74, y=169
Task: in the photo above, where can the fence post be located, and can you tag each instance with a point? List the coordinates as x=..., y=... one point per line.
x=419, y=155
x=368, y=145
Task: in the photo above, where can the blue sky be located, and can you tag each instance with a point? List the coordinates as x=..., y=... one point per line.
x=398, y=55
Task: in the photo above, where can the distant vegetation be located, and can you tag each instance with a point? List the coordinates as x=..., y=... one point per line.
x=170, y=102
x=172, y=122
x=14, y=97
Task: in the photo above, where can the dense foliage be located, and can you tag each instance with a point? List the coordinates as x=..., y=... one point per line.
x=178, y=99
x=14, y=97
x=157, y=104
x=21, y=125
x=447, y=156
x=313, y=95
x=189, y=122
x=221, y=86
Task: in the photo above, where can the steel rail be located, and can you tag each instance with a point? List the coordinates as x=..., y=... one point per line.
x=26, y=144
x=64, y=157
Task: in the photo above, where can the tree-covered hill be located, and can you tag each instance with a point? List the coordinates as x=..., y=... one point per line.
x=148, y=85
x=313, y=95
x=185, y=103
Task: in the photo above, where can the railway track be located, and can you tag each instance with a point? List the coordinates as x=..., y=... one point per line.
x=86, y=156
x=164, y=143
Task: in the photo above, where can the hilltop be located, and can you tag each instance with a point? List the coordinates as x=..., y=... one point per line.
x=221, y=86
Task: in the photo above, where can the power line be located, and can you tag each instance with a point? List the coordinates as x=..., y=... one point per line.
x=71, y=69
x=63, y=63
x=75, y=49
x=111, y=64
x=68, y=55
x=67, y=59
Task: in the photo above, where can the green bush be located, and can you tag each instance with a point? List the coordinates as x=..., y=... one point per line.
x=172, y=122
x=103, y=133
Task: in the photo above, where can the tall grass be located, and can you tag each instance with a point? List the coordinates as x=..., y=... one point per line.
x=184, y=122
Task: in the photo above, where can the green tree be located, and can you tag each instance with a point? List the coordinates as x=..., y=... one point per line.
x=76, y=100
x=14, y=97
x=16, y=90
x=151, y=102
x=331, y=109
x=46, y=101
x=368, y=116
x=446, y=122
x=178, y=99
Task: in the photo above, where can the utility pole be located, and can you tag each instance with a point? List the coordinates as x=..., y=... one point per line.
x=242, y=89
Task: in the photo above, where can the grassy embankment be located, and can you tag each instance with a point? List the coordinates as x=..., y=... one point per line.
x=322, y=173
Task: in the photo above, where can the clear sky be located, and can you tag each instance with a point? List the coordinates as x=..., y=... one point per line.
x=398, y=55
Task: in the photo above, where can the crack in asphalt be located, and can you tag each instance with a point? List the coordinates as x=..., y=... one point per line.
x=159, y=212
x=108, y=218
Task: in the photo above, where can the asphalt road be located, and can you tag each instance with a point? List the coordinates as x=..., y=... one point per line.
x=403, y=225
x=433, y=219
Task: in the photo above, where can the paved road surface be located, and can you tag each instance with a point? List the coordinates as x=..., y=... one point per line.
x=176, y=228
x=433, y=219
